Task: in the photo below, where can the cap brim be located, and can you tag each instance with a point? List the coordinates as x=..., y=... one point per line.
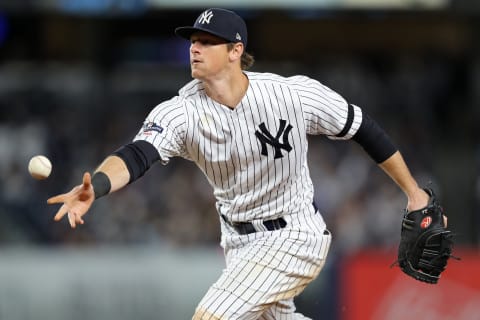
x=186, y=32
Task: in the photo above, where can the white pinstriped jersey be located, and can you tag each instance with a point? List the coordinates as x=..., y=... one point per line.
x=255, y=155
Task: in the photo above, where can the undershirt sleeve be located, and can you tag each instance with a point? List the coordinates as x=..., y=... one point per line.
x=374, y=140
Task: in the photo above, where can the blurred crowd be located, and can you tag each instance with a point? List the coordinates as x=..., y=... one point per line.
x=76, y=116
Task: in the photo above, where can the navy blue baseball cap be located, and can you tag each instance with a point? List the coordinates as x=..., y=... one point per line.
x=222, y=23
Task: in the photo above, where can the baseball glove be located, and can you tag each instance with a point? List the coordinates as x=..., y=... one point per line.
x=425, y=243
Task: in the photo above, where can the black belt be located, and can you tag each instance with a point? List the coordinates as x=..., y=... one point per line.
x=248, y=227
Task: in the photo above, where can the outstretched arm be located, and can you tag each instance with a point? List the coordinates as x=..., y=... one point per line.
x=117, y=172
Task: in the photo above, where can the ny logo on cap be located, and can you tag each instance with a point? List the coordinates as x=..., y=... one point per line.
x=205, y=17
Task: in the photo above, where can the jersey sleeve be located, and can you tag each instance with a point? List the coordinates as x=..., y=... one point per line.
x=326, y=112
x=164, y=129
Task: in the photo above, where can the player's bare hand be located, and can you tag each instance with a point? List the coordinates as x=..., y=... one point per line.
x=75, y=203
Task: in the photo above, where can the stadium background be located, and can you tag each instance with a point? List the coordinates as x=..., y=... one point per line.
x=77, y=79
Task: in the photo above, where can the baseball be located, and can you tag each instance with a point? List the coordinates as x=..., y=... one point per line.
x=39, y=167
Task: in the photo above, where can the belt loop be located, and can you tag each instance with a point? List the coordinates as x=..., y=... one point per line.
x=224, y=219
x=315, y=206
x=276, y=224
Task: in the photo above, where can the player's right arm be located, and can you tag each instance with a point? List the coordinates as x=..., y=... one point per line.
x=110, y=176
x=154, y=142
x=124, y=166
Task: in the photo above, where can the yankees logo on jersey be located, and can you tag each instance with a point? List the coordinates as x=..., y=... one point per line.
x=266, y=137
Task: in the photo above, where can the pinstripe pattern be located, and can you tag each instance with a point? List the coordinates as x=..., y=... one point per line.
x=222, y=142
x=255, y=158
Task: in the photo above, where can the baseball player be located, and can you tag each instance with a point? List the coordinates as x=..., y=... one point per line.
x=247, y=132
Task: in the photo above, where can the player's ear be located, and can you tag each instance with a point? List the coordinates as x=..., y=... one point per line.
x=236, y=51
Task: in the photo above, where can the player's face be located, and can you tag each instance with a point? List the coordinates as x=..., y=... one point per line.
x=209, y=55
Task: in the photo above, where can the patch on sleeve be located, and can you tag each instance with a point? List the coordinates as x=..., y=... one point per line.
x=149, y=127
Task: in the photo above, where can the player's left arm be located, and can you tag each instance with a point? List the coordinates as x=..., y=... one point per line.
x=376, y=142
x=397, y=169
x=327, y=112
x=425, y=245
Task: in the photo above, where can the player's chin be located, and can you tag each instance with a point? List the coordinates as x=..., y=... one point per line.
x=196, y=74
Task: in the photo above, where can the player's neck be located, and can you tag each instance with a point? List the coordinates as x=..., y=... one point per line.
x=228, y=90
